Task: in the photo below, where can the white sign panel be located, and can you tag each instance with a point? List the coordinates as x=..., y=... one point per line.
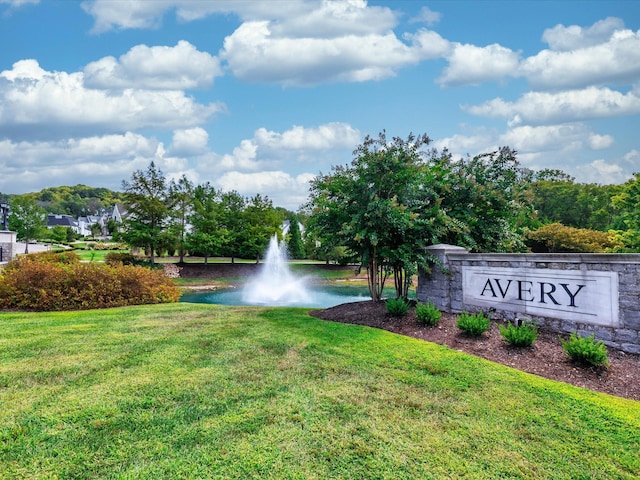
x=589, y=297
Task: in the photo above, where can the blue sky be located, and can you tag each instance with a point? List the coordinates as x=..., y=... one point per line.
x=261, y=96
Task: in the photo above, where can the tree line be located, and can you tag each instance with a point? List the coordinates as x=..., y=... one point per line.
x=184, y=218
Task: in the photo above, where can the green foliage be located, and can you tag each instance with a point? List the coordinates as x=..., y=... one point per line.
x=627, y=202
x=76, y=200
x=523, y=335
x=383, y=201
x=428, y=314
x=148, y=201
x=558, y=199
x=121, y=258
x=556, y=238
x=473, y=324
x=186, y=391
x=27, y=219
x=295, y=245
x=585, y=350
x=397, y=307
x=485, y=200
x=48, y=282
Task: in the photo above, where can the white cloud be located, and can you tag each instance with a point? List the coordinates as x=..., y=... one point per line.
x=105, y=159
x=567, y=106
x=131, y=14
x=472, y=65
x=325, y=137
x=188, y=142
x=575, y=37
x=427, y=16
x=19, y=3
x=268, y=149
x=601, y=172
x=556, y=138
x=154, y=68
x=145, y=14
x=253, y=54
x=282, y=188
x=36, y=103
x=610, y=55
x=600, y=142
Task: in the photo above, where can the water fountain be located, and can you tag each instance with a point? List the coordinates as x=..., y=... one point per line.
x=275, y=284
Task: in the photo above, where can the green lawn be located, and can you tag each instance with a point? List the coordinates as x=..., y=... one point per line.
x=203, y=391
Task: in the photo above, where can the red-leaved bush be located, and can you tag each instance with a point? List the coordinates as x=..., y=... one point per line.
x=40, y=283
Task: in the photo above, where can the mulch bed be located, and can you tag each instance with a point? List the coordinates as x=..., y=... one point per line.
x=545, y=358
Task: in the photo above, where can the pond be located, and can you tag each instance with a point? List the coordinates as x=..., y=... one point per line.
x=317, y=297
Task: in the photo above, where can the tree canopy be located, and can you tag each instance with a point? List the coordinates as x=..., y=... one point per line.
x=395, y=198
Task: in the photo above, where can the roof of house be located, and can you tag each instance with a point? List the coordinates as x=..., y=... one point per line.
x=54, y=220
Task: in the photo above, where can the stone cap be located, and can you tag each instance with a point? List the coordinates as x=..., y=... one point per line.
x=446, y=248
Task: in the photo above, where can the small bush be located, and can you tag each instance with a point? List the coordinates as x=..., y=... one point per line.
x=519, y=335
x=428, y=314
x=473, y=324
x=585, y=350
x=120, y=258
x=397, y=307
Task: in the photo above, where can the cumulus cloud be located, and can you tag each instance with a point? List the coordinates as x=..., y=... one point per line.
x=472, y=65
x=110, y=158
x=566, y=106
x=123, y=15
x=427, y=16
x=37, y=103
x=268, y=150
x=600, y=142
x=153, y=68
x=145, y=14
x=188, y=142
x=614, y=60
x=253, y=53
x=281, y=187
x=574, y=36
x=601, y=172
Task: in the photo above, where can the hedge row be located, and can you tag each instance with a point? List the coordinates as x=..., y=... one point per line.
x=48, y=282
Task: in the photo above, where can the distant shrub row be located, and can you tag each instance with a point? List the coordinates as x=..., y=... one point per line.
x=58, y=281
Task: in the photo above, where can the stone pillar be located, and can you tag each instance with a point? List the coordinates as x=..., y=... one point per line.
x=8, y=245
x=435, y=285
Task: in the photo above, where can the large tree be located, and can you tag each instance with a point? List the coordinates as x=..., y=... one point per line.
x=181, y=194
x=484, y=199
x=27, y=219
x=208, y=235
x=628, y=202
x=382, y=207
x=148, y=202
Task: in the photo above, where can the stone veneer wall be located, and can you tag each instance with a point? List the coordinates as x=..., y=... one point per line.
x=445, y=289
x=8, y=245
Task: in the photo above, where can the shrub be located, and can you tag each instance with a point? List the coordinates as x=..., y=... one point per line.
x=519, y=335
x=397, y=306
x=559, y=238
x=428, y=314
x=29, y=283
x=120, y=258
x=473, y=324
x=585, y=350
x=65, y=257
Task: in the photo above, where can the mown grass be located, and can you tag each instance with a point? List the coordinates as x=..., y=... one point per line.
x=203, y=391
